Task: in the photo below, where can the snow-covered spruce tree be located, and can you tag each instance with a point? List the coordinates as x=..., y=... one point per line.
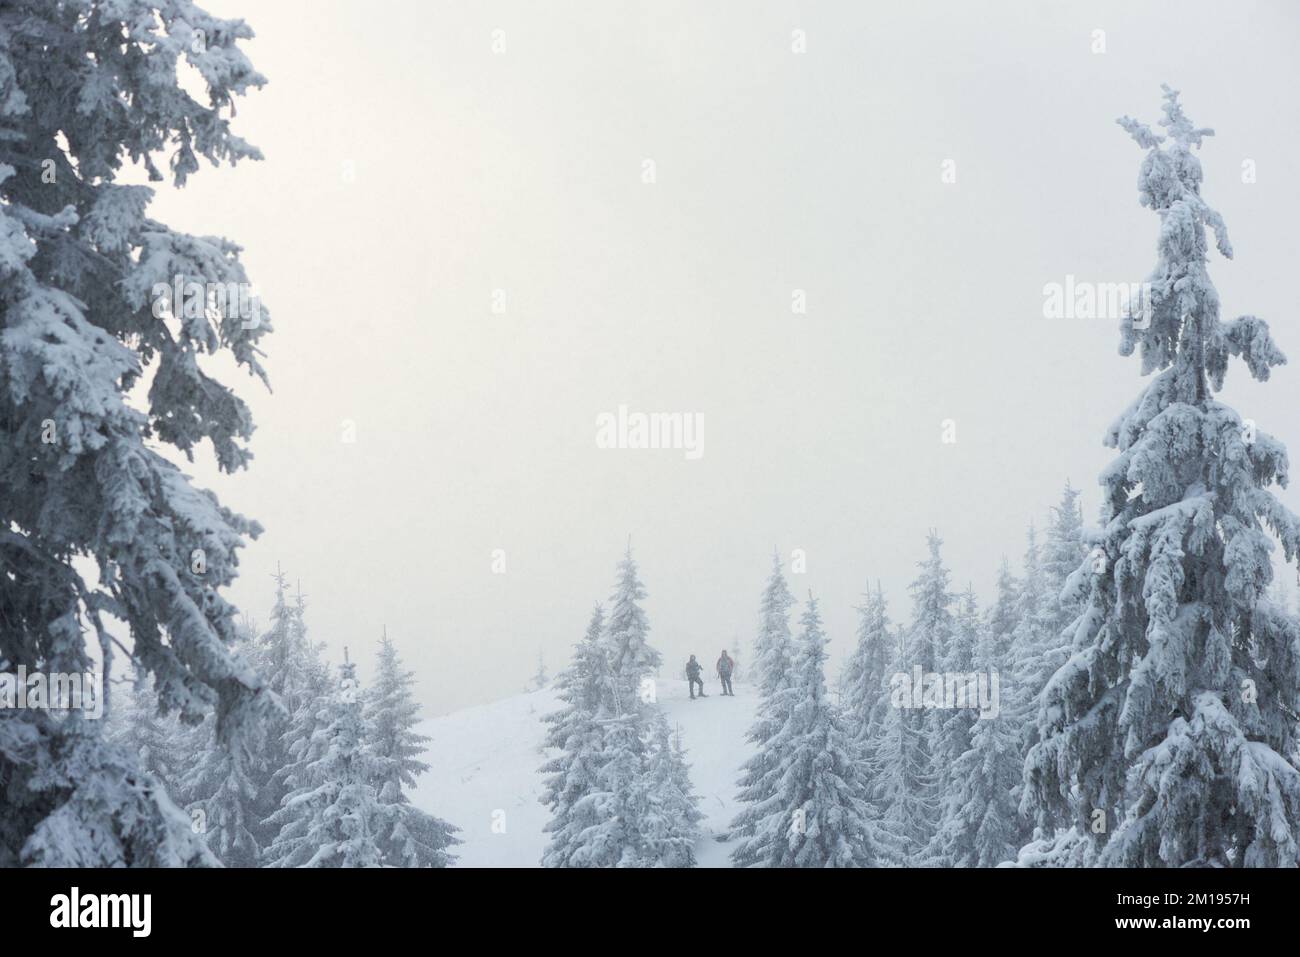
x=909, y=777
x=160, y=742
x=1063, y=552
x=411, y=838
x=621, y=834
x=630, y=657
x=303, y=744
x=84, y=89
x=904, y=787
x=953, y=736
x=295, y=671
x=617, y=805
x=220, y=785
x=865, y=680
x=222, y=794
x=1174, y=718
x=1035, y=652
x=670, y=824
x=814, y=813
x=1002, y=613
x=773, y=646
x=1045, y=611
x=981, y=824
x=932, y=619
x=338, y=819
x=576, y=733
x=772, y=674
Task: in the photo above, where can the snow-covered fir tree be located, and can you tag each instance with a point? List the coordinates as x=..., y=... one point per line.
x=222, y=788
x=865, y=679
x=908, y=784
x=670, y=822
x=410, y=837
x=814, y=812
x=1172, y=724
x=631, y=659
x=952, y=737
x=1041, y=640
x=1063, y=552
x=773, y=646
x=981, y=824
x=772, y=674
x=295, y=671
x=160, y=742
x=932, y=618
x=336, y=817
x=96, y=521
x=312, y=692
x=576, y=733
x=608, y=809
x=618, y=803
x=1002, y=613
x=905, y=785
x=1035, y=651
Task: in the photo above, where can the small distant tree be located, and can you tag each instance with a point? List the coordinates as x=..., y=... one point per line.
x=540, y=678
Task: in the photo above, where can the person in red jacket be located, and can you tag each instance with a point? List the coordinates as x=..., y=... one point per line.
x=725, y=667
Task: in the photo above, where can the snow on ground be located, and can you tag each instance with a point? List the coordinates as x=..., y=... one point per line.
x=483, y=765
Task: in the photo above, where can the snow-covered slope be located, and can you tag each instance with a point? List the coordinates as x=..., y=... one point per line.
x=483, y=770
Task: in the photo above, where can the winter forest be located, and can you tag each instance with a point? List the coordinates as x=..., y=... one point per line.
x=1110, y=680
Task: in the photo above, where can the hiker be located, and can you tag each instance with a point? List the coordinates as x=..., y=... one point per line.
x=693, y=676
x=725, y=667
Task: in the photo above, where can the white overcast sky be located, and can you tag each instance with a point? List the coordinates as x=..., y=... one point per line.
x=522, y=171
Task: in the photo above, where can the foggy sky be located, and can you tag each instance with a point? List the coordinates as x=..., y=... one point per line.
x=411, y=171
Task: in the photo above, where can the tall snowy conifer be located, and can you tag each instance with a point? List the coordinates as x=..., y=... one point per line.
x=1034, y=650
x=631, y=659
x=905, y=784
x=575, y=732
x=1174, y=717
x=814, y=812
x=772, y=673
x=335, y=818
x=865, y=681
x=623, y=802
x=410, y=837
x=1063, y=552
x=981, y=825
x=952, y=738
x=86, y=88
x=1002, y=614
x=932, y=620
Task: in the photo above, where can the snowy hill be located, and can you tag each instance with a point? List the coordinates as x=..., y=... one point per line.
x=483, y=770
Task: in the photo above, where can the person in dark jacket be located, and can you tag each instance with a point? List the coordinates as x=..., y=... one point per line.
x=725, y=667
x=693, y=672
